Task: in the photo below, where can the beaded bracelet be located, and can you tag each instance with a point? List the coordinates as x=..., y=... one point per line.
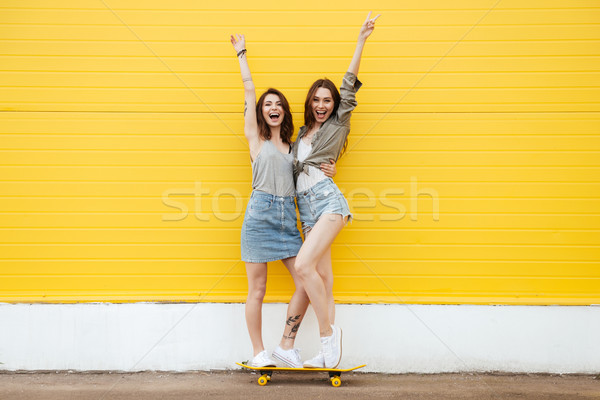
x=243, y=51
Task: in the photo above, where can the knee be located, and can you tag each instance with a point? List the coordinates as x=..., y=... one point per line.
x=257, y=293
x=298, y=286
x=302, y=268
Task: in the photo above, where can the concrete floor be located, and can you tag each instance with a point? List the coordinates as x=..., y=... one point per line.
x=243, y=384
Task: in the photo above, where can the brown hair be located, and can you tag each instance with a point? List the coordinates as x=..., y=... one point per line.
x=309, y=118
x=287, y=126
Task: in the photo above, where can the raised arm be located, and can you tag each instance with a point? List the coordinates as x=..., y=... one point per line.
x=250, y=124
x=365, y=31
x=350, y=83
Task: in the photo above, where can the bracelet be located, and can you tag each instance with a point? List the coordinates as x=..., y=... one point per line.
x=243, y=51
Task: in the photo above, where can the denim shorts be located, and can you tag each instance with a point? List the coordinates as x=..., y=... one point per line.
x=270, y=229
x=322, y=198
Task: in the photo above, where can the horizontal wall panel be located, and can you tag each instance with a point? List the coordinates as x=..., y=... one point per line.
x=355, y=233
x=227, y=174
x=355, y=158
x=402, y=47
x=421, y=66
x=419, y=221
x=352, y=189
x=373, y=268
x=120, y=30
x=227, y=204
x=373, y=142
x=264, y=18
x=229, y=127
x=187, y=5
x=186, y=99
x=396, y=81
x=204, y=287
x=205, y=283
x=340, y=251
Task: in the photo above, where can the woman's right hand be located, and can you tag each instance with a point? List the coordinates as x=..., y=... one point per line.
x=238, y=42
x=329, y=169
x=367, y=27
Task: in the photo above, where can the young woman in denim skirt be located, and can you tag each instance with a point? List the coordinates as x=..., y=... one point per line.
x=323, y=209
x=270, y=231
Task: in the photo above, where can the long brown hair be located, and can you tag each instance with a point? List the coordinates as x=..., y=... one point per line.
x=287, y=126
x=309, y=118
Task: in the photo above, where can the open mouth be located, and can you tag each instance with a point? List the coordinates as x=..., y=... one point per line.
x=321, y=114
x=274, y=116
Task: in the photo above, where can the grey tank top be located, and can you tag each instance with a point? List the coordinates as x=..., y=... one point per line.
x=272, y=171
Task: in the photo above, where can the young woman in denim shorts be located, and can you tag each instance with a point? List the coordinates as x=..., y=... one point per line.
x=323, y=209
x=270, y=231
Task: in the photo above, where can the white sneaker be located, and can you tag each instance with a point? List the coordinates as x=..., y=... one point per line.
x=332, y=348
x=262, y=359
x=316, y=362
x=291, y=358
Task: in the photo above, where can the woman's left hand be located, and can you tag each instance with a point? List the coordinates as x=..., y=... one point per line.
x=329, y=169
x=368, y=26
x=239, y=42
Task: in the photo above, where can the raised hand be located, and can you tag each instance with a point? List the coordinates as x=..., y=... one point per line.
x=238, y=42
x=367, y=27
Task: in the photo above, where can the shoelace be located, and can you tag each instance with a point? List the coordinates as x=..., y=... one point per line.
x=296, y=356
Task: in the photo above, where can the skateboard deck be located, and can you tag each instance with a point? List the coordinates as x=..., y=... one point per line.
x=266, y=372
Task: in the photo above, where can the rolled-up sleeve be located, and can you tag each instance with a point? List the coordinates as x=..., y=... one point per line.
x=350, y=85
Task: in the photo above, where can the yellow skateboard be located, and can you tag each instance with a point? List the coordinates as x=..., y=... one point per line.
x=266, y=372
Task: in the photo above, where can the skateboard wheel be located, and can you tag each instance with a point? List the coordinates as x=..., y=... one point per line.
x=336, y=381
x=262, y=381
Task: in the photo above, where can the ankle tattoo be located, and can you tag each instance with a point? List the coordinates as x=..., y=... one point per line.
x=293, y=332
x=293, y=319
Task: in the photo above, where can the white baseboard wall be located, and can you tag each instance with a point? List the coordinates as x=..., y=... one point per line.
x=388, y=338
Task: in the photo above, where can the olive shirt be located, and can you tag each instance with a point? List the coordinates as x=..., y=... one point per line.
x=329, y=140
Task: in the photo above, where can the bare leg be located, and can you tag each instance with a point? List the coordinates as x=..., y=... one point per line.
x=257, y=285
x=296, y=309
x=324, y=268
x=315, y=246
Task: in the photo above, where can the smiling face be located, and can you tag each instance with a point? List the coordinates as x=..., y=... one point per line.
x=322, y=105
x=273, y=115
x=272, y=110
x=321, y=102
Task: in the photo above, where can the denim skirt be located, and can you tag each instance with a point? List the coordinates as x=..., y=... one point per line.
x=270, y=231
x=322, y=198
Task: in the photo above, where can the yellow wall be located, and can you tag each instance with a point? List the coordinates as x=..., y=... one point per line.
x=473, y=166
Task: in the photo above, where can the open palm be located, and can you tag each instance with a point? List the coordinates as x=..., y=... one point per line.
x=238, y=42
